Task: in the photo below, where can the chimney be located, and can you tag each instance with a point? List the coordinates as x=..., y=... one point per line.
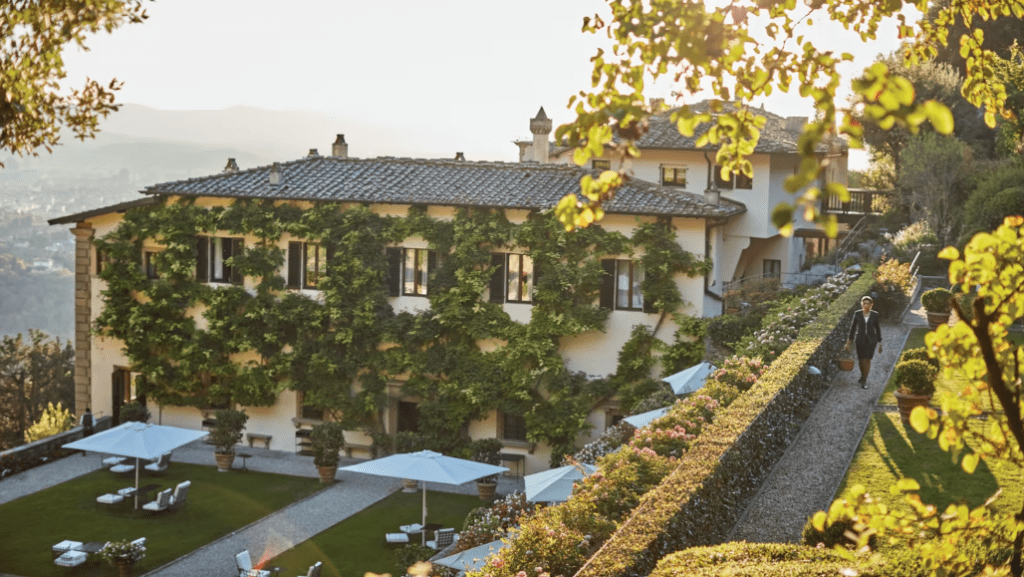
x=541, y=128
x=275, y=173
x=711, y=194
x=459, y=157
x=232, y=166
x=339, y=149
x=313, y=152
x=795, y=123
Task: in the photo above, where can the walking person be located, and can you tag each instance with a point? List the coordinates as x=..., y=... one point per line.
x=866, y=332
x=87, y=422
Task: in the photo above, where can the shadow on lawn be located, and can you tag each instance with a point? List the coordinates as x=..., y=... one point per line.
x=942, y=481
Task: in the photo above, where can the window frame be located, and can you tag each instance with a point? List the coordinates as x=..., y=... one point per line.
x=633, y=267
x=771, y=268
x=525, y=288
x=736, y=181
x=512, y=428
x=149, y=267
x=675, y=180
x=320, y=267
x=207, y=256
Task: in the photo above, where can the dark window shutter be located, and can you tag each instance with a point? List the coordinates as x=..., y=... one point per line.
x=431, y=267
x=537, y=273
x=608, y=283
x=648, y=305
x=394, y=256
x=294, y=265
x=202, y=258
x=237, y=245
x=99, y=261
x=497, y=278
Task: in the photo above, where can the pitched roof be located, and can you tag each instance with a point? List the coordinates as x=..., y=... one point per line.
x=775, y=136
x=120, y=207
x=439, y=182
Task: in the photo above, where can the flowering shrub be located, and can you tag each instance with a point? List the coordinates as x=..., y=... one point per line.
x=740, y=372
x=486, y=524
x=125, y=551
x=783, y=324
x=893, y=284
x=554, y=541
x=612, y=438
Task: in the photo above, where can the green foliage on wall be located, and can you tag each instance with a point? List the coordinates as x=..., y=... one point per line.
x=340, y=349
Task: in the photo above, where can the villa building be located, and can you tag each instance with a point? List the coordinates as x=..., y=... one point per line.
x=275, y=281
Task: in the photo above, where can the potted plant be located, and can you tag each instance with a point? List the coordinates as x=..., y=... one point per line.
x=328, y=439
x=227, y=434
x=487, y=451
x=936, y=302
x=915, y=385
x=123, y=555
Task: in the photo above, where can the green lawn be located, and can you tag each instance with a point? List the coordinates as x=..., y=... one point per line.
x=943, y=384
x=217, y=504
x=356, y=545
x=890, y=451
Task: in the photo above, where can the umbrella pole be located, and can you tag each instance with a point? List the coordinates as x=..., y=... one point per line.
x=136, y=483
x=423, y=530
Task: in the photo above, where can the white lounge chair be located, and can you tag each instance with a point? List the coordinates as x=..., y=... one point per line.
x=71, y=559
x=111, y=461
x=161, y=503
x=443, y=538
x=314, y=570
x=245, y=568
x=180, y=494
x=123, y=469
x=396, y=538
x=160, y=465
x=110, y=499
x=65, y=546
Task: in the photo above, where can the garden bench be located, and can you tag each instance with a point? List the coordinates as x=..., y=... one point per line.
x=265, y=439
x=350, y=446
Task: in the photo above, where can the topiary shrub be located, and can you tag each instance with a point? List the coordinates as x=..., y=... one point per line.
x=328, y=439
x=487, y=451
x=937, y=301
x=919, y=354
x=915, y=377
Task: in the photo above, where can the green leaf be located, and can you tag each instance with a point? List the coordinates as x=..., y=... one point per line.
x=970, y=462
x=908, y=484
x=819, y=520
x=919, y=419
x=940, y=116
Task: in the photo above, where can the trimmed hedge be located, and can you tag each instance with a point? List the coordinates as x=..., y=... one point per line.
x=758, y=560
x=701, y=500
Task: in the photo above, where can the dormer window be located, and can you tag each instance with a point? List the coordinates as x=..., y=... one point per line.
x=673, y=176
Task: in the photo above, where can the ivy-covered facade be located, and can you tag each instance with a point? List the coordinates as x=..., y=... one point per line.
x=423, y=303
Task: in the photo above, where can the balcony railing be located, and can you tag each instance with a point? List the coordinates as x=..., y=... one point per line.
x=862, y=202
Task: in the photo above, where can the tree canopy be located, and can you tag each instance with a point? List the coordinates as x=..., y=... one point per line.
x=705, y=47
x=33, y=104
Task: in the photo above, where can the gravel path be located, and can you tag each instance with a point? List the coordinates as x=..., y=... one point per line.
x=806, y=478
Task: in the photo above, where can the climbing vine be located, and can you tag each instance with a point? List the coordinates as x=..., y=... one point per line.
x=461, y=358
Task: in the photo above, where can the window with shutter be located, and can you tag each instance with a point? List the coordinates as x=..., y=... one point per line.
x=149, y=259
x=314, y=264
x=497, y=284
x=620, y=286
x=394, y=277
x=202, y=258
x=520, y=278
x=294, y=265
x=417, y=263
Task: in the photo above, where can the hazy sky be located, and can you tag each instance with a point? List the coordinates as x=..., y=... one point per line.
x=438, y=75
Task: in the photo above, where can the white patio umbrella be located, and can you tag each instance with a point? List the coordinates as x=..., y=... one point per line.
x=643, y=419
x=141, y=441
x=426, y=466
x=471, y=559
x=555, y=485
x=691, y=379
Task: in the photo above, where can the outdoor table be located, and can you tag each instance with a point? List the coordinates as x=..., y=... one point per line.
x=92, y=547
x=144, y=492
x=276, y=570
x=243, y=457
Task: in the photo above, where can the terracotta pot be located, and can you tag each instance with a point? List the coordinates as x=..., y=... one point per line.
x=935, y=320
x=123, y=569
x=845, y=364
x=907, y=403
x=409, y=486
x=486, y=490
x=327, y=473
x=224, y=461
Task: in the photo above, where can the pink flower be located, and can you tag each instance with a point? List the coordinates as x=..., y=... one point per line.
x=497, y=562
